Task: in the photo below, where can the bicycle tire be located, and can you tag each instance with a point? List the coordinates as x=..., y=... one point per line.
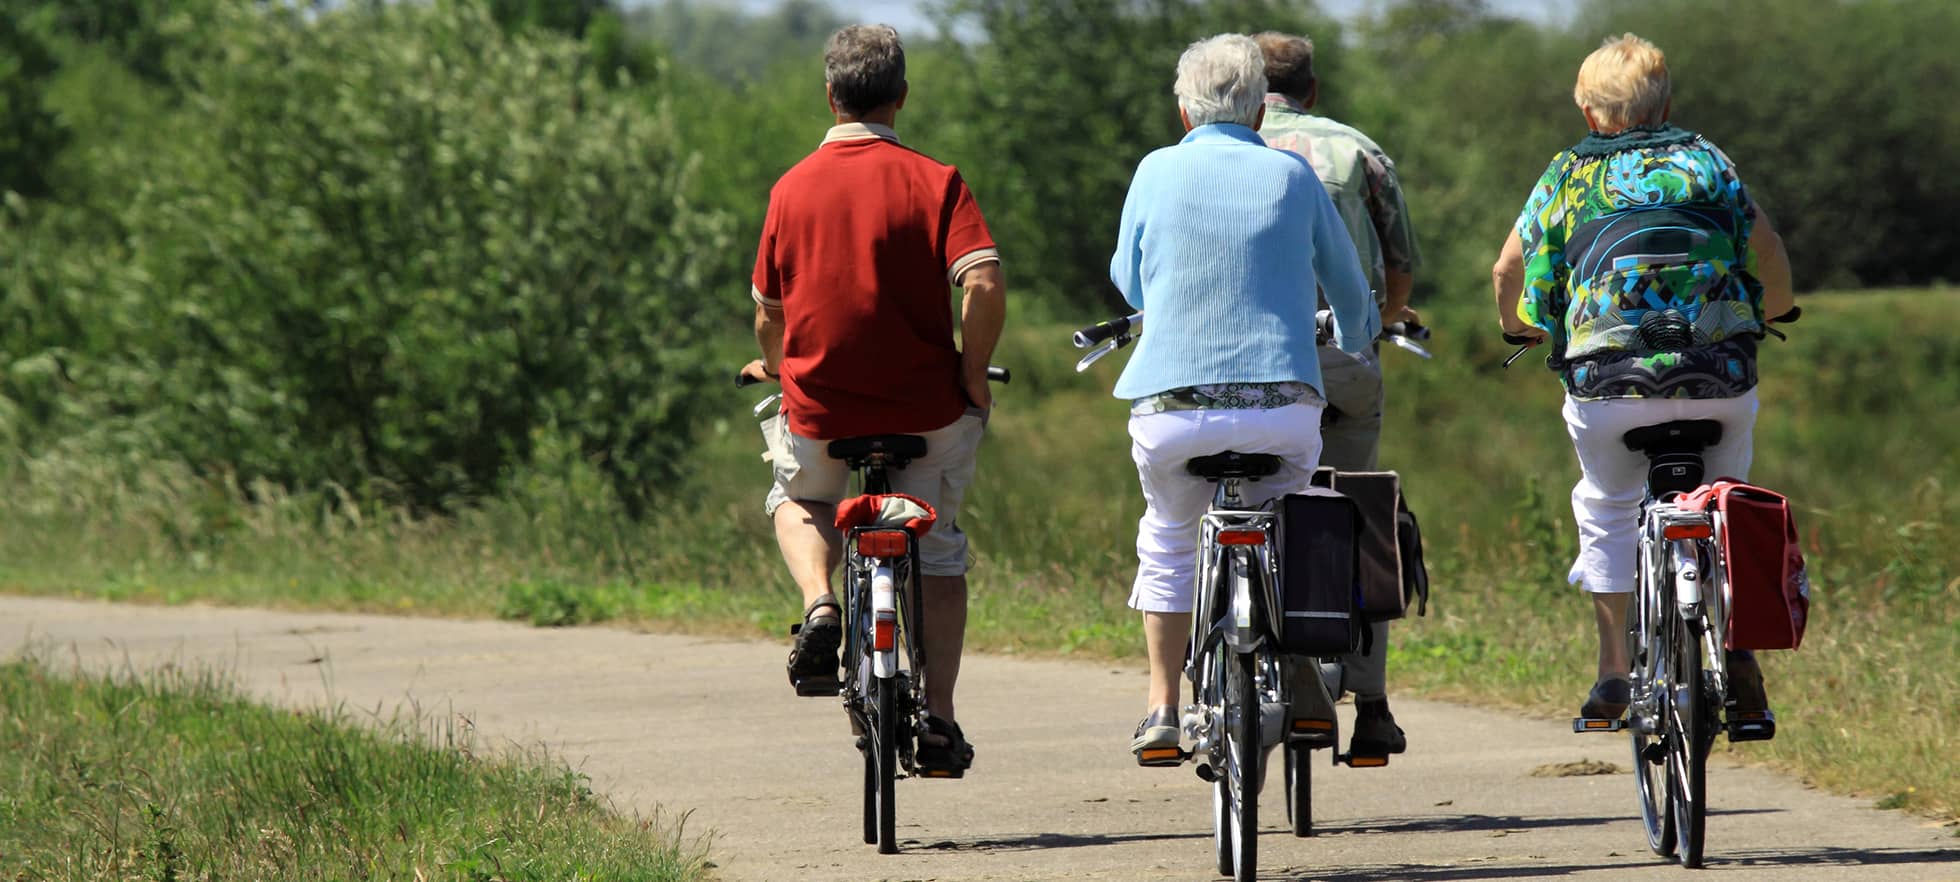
x=870, y=792
x=1208, y=688
x=1246, y=752
x=1688, y=758
x=1647, y=650
x=1299, y=789
x=886, y=728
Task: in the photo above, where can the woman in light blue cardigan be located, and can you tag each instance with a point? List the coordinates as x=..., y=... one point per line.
x=1224, y=243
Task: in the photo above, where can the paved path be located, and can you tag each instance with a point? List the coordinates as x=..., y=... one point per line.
x=688, y=723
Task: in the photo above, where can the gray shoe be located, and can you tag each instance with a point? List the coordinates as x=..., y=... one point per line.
x=1155, y=743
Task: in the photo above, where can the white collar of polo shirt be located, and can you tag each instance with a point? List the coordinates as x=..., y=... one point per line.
x=857, y=131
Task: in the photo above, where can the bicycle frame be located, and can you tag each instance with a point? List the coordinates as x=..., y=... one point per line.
x=1680, y=577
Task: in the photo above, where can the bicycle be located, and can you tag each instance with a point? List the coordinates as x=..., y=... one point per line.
x=883, y=653
x=1675, y=627
x=1240, y=684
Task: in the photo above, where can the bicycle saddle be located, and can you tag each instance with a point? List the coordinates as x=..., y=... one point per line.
x=1231, y=464
x=1680, y=436
x=895, y=447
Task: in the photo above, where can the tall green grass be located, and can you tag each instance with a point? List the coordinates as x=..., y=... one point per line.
x=171, y=776
x=1858, y=425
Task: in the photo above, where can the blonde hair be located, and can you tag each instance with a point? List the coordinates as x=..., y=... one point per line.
x=1624, y=83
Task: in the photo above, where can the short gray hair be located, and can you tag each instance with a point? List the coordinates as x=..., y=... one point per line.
x=1221, y=80
x=865, y=67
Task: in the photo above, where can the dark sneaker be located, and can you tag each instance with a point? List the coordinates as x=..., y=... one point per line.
x=1155, y=743
x=1750, y=718
x=1608, y=699
x=813, y=665
x=1375, y=732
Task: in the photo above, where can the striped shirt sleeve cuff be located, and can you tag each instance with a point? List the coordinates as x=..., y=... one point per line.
x=765, y=302
x=970, y=260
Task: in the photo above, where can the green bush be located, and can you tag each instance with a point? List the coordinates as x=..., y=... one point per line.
x=395, y=243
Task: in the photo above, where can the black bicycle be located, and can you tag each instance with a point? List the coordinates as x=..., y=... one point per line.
x=884, y=662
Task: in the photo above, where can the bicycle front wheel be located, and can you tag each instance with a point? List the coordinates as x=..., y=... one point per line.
x=1299, y=789
x=1688, y=743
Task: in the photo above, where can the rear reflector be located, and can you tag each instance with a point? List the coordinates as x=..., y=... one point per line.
x=882, y=543
x=1241, y=537
x=1688, y=531
x=884, y=632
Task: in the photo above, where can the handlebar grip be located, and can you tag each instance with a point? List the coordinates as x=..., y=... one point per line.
x=1100, y=332
x=1411, y=330
x=1519, y=339
x=742, y=379
x=998, y=374
x=1796, y=312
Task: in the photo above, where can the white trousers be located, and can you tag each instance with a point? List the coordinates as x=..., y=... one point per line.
x=1613, y=479
x=1175, y=500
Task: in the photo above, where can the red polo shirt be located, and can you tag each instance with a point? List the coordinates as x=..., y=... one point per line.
x=863, y=239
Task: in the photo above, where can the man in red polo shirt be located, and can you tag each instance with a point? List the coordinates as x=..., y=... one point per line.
x=862, y=242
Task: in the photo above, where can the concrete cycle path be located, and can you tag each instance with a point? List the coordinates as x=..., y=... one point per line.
x=710, y=726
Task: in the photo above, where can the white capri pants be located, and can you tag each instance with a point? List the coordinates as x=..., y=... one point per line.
x=1613, y=479
x=1175, y=500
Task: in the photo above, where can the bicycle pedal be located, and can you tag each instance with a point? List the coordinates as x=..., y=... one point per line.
x=1312, y=733
x=814, y=687
x=941, y=773
x=1157, y=757
x=1361, y=762
x=1594, y=724
x=1752, y=726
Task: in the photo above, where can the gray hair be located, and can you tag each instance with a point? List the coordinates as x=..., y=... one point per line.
x=865, y=67
x=1221, y=80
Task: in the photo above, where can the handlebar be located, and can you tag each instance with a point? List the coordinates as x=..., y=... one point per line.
x=1108, y=330
x=1525, y=342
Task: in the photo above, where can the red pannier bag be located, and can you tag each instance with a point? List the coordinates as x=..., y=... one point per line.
x=1756, y=536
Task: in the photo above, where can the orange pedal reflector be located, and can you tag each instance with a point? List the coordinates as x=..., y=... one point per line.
x=1688, y=531
x=1159, y=754
x=883, y=543
x=1367, y=762
x=1322, y=725
x=1241, y=537
x=1599, y=724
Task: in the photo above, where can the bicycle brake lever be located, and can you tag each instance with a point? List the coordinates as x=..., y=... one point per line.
x=1096, y=354
x=1409, y=345
x=766, y=403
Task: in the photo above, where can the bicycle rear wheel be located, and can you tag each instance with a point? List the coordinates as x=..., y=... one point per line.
x=1648, y=648
x=1688, y=742
x=885, y=734
x=1244, y=757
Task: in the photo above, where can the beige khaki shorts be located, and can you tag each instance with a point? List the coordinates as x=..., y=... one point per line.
x=805, y=472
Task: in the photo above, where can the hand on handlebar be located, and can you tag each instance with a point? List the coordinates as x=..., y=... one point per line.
x=1405, y=314
x=752, y=373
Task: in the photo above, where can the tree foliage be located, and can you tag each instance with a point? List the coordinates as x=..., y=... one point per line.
x=399, y=245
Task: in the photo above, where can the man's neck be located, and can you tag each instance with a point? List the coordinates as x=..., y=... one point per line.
x=884, y=116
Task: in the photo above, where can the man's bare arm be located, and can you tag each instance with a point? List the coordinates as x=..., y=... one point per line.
x=983, y=312
x=769, y=338
x=1400, y=286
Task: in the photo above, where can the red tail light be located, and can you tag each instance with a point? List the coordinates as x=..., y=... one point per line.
x=882, y=543
x=1241, y=537
x=1688, y=531
x=884, y=632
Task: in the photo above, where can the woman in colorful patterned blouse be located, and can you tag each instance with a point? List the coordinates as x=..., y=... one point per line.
x=1223, y=241
x=1641, y=258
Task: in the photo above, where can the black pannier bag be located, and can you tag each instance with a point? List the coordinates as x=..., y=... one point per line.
x=1318, y=535
x=1390, y=566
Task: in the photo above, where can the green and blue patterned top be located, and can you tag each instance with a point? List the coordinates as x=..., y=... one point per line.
x=1645, y=225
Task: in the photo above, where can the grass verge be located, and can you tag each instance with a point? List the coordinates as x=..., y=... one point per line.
x=1857, y=425
x=173, y=776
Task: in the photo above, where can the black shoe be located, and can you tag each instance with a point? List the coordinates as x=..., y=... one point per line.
x=813, y=663
x=1608, y=699
x=1748, y=704
x=1375, y=732
x=950, y=757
